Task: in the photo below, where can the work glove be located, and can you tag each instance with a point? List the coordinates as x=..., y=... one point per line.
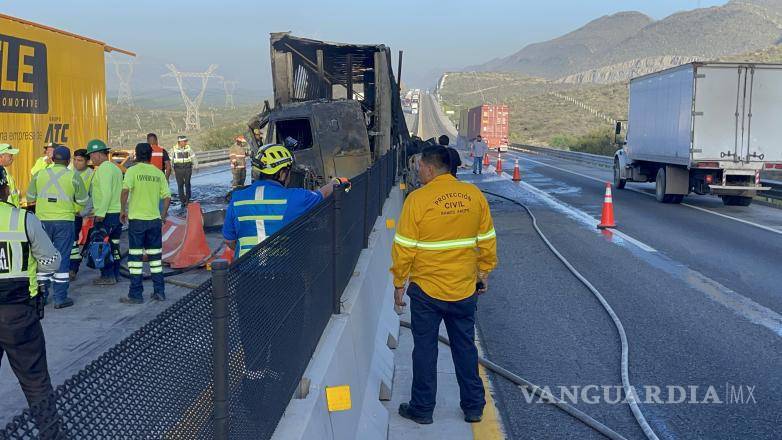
x=343, y=182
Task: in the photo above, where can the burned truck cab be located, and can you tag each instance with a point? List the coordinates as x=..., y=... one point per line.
x=339, y=102
x=331, y=139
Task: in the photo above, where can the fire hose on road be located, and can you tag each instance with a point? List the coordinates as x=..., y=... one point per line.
x=542, y=393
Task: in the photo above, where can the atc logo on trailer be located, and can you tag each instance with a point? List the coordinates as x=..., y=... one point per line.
x=24, y=84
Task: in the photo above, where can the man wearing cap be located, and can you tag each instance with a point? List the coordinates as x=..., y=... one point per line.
x=7, y=153
x=58, y=194
x=44, y=161
x=146, y=186
x=106, y=190
x=25, y=251
x=238, y=155
x=80, y=159
x=184, y=159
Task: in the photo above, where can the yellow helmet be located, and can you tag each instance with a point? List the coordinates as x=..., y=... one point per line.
x=272, y=158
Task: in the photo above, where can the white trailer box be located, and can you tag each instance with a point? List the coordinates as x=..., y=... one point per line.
x=701, y=116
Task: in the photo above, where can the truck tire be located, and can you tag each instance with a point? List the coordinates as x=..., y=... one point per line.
x=736, y=200
x=619, y=183
x=659, y=190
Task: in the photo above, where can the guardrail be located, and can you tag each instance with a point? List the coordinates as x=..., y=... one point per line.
x=210, y=156
x=775, y=193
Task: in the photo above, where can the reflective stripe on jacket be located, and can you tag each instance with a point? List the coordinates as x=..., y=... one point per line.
x=444, y=237
x=17, y=264
x=157, y=157
x=182, y=155
x=262, y=209
x=58, y=193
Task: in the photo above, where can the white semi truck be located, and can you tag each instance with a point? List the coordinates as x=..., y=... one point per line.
x=707, y=128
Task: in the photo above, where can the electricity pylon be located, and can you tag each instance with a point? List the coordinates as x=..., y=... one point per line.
x=125, y=94
x=192, y=120
x=230, y=88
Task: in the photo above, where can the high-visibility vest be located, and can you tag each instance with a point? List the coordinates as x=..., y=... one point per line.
x=18, y=267
x=182, y=155
x=55, y=193
x=157, y=157
x=86, y=177
x=40, y=164
x=13, y=198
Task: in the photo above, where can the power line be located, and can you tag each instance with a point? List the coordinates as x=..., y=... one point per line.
x=125, y=94
x=230, y=88
x=192, y=119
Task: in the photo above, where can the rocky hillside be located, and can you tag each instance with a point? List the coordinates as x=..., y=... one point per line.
x=611, y=48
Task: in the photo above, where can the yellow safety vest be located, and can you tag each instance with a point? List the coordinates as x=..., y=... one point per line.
x=54, y=193
x=18, y=267
x=182, y=156
x=13, y=198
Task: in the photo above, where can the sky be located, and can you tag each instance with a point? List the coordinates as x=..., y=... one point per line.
x=434, y=35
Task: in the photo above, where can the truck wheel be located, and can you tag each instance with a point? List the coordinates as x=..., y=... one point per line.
x=659, y=190
x=736, y=200
x=619, y=183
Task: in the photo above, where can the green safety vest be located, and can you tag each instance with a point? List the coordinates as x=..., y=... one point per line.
x=40, y=164
x=13, y=198
x=55, y=198
x=86, y=177
x=18, y=267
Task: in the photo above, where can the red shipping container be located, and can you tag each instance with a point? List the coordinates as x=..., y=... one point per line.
x=491, y=121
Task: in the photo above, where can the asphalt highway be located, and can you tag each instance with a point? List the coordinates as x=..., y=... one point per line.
x=698, y=289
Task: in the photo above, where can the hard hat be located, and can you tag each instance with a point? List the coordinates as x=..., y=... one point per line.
x=241, y=139
x=96, y=145
x=8, y=149
x=3, y=177
x=272, y=158
x=181, y=138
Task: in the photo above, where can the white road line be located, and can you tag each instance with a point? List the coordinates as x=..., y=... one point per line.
x=635, y=190
x=735, y=302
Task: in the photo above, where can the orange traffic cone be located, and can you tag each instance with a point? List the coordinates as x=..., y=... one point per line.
x=486, y=160
x=607, y=218
x=194, y=250
x=516, y=171
x=498, y=170
x=173, y=237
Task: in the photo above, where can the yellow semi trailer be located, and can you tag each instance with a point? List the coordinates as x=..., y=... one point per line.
x=52, y=89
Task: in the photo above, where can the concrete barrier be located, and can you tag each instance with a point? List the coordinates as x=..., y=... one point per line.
x=355, y=350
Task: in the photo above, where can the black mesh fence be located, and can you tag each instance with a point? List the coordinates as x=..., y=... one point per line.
x=166, y=380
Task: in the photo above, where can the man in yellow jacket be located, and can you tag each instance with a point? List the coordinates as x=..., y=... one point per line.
x=445, y=247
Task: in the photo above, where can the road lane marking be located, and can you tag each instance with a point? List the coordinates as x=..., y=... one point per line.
x=635, y=190
x=735, y=302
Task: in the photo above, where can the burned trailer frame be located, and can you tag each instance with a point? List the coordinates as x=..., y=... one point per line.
x=349, y=96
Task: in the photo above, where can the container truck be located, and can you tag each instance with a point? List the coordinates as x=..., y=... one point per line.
x=706, y=128
x=52, y=89
x=490, y=121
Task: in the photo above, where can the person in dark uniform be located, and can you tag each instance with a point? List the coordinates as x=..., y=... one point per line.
x=453, y=155
x=25, y=250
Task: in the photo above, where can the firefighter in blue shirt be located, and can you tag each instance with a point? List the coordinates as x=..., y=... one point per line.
x=261, y=209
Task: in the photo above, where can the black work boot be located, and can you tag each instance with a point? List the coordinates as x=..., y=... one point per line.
x=404, y=411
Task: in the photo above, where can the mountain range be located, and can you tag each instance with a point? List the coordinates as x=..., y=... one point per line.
x=608, y=48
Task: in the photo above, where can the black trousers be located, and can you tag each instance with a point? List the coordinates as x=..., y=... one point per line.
x=183, y=174
x=426, y=313
x=22, y=341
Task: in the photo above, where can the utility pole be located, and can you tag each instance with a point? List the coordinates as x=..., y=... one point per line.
x=125, y=94
x=230, y=88
x=192, y=120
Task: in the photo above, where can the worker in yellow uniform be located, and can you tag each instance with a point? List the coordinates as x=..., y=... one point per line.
x=44, y=161
x=7, y=153
x=445, y=247
x=80, y=167
x=106, y=190
x=238, y=157
x=184, y=160
x=144, y=188
x=24, y=251
x=58, y=194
